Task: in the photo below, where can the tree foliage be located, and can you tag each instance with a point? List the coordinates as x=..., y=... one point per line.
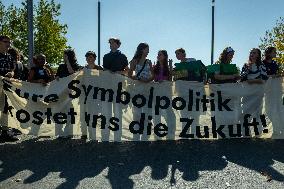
x=49, y=34
x=275, y=37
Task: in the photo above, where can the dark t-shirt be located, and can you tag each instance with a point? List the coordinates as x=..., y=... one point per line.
x=271, y=68
x=41, y=73
x=115, y=61
x=62, y=70
x=21, y=72
x=6, y=64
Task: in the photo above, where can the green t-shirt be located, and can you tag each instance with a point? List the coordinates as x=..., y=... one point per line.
x=224, y=69
x=195, y=70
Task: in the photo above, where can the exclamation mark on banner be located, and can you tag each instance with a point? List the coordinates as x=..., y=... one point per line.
x=263, y=121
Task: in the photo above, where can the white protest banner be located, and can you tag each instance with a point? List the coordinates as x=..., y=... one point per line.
x=112, y=107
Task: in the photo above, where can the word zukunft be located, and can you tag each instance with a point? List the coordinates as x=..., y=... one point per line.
x=195, y=101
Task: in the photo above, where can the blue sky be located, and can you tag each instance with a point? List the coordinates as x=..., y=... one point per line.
x=169, y=24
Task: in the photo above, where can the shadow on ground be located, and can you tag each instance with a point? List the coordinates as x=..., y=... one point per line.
x=77, y=160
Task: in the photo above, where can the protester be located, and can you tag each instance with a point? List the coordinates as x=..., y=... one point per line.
x=91, y=59
x=6, y=70
x=162, y=71
x=142, y=66
x=220, y=75
x=21, y=71
x=188, y=69
x=272, y=67
x=70, y=65
x=254, y=72
x=181, y=56
x=115, y=61
x=39, y=73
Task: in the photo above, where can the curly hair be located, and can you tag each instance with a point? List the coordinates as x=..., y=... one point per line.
x=223, y=58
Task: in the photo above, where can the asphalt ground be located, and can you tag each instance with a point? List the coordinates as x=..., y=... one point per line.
x=43, y=163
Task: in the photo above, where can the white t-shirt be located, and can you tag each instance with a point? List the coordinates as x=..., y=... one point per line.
x=190, y=59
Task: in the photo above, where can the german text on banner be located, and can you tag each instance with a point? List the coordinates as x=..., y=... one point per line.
x=111, y=107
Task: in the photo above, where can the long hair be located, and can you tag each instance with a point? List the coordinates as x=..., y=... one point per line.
x=223, y=58
x=70, y=53
x=139, y=51
x=164, y=63
x=258, y=60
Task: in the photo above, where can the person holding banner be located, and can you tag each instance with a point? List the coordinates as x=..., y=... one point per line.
x=70, y=65
x=162, y=70
x=142, y=66
x=272, y=67
x=189, y=69
x=254, y=72
x=7, y=68
x=21, y=71
x=91, y=59
x=181, y=74
x=115, y=61
x=225, y=72
x=39, y=73
x=181, y=56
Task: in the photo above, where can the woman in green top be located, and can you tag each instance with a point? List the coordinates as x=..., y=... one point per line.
x=225, y=58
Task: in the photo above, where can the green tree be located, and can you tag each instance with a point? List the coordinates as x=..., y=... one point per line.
x=275, y=37
x=49, y=33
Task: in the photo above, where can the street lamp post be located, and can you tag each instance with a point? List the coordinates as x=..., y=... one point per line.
x=212, y=37
x=30, y=32
x=99, y=32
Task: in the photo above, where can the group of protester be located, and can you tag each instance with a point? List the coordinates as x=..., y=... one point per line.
x=139, y=68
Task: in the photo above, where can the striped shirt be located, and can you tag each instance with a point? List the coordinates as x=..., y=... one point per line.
x=253, y=71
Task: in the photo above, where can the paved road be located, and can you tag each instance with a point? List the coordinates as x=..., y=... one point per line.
x=43, y=163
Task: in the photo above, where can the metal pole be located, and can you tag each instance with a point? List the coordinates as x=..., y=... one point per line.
x=212, y=37
x=30, y=32
x=99, y=32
